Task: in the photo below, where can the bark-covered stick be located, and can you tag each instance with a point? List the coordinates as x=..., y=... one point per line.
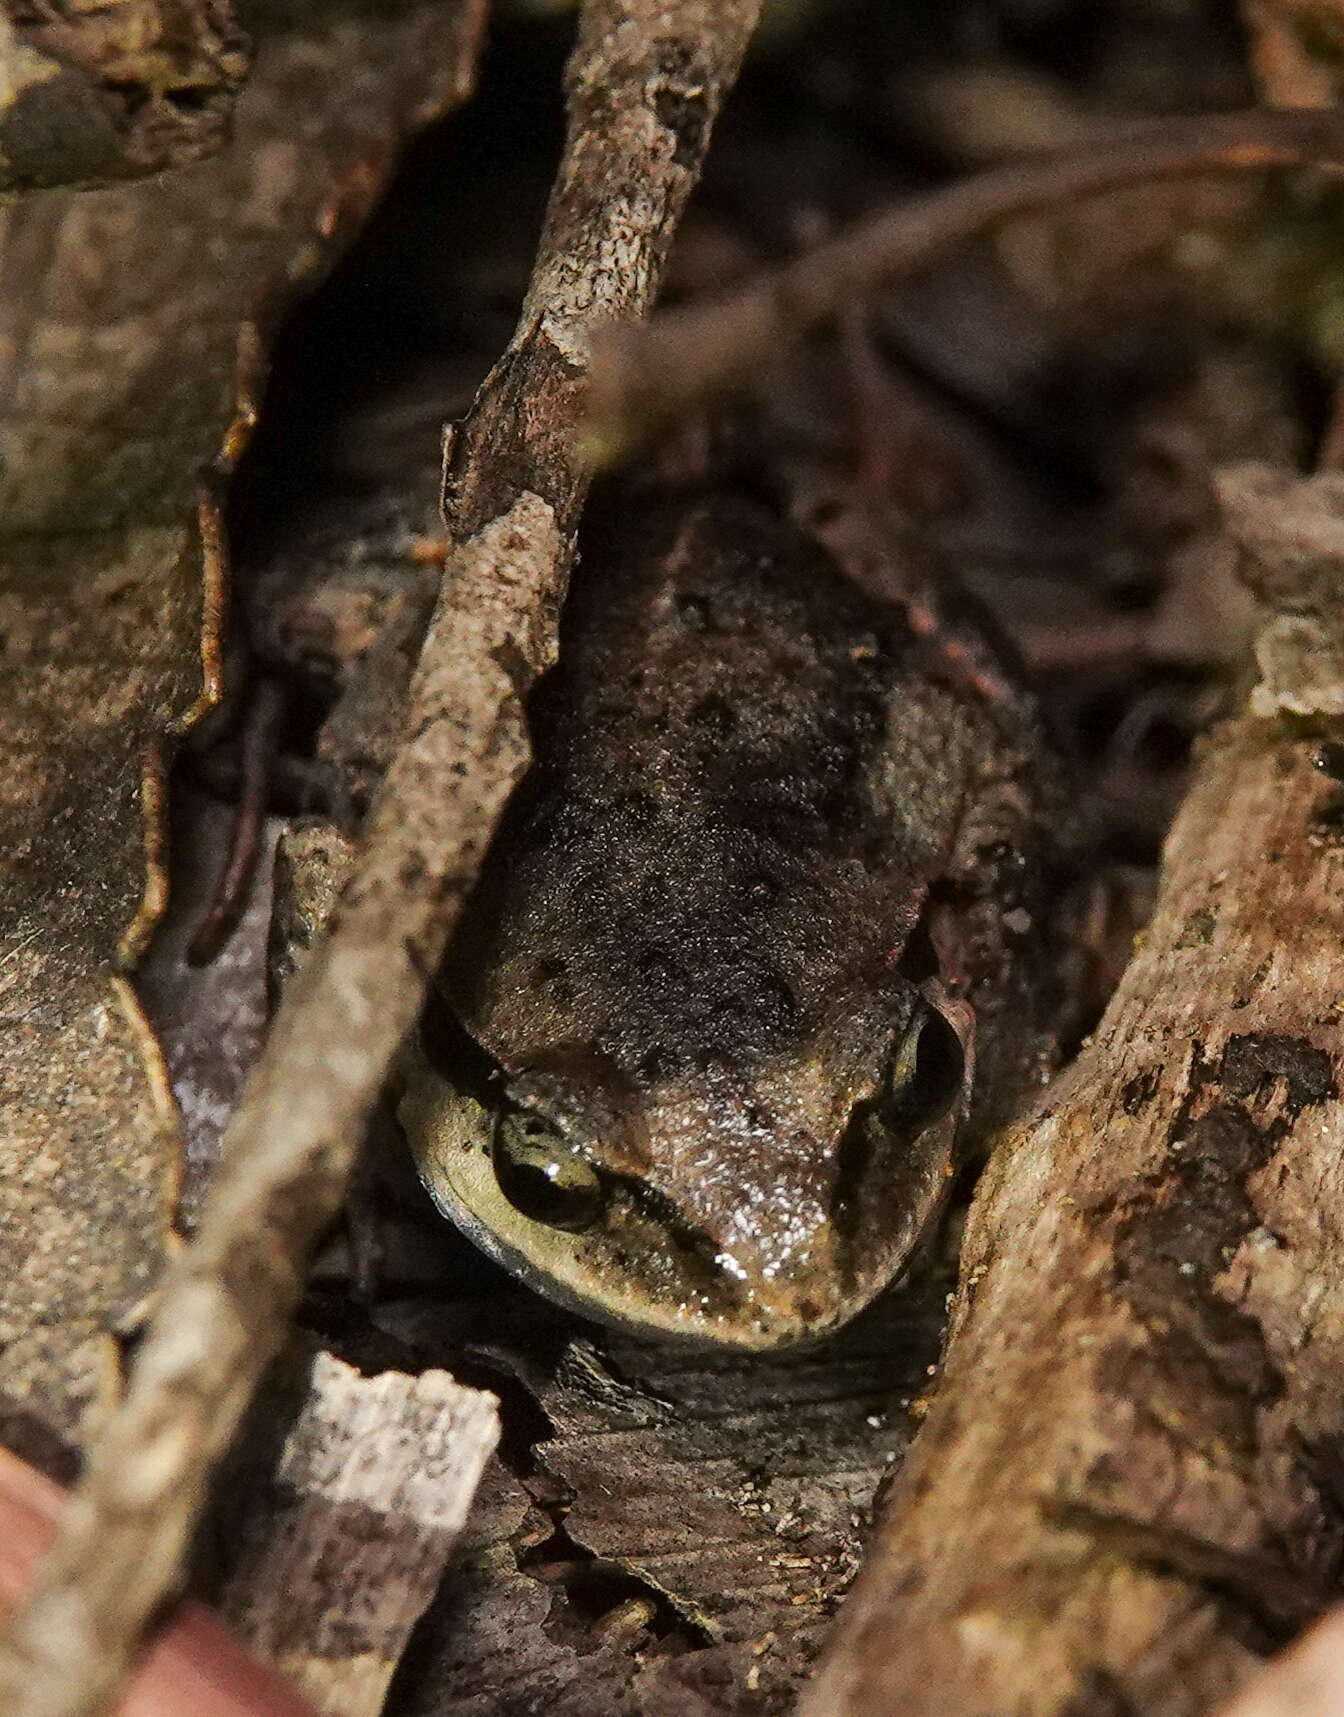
x=645, y=83
x=1129, y=1483
x=648, y=377
x=335, y=1557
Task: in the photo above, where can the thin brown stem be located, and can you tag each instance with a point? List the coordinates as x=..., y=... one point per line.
x=261, y=733
x=646, y=378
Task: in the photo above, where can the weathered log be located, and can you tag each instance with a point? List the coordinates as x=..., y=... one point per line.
x=1129, y=1485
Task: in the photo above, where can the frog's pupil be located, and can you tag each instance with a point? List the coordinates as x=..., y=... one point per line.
x=543, y=1176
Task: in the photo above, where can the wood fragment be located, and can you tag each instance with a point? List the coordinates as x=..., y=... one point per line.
x=645, y=84
x=645, y=379
x=343, y=1553
x=1141, y=1389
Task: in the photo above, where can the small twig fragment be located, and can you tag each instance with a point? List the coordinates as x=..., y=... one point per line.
x=261, y=735
x=347, y=1548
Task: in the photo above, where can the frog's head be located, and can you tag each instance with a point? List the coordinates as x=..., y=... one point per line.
x=751, y=1204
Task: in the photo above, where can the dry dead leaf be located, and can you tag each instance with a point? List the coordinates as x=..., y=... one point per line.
x=131, y=324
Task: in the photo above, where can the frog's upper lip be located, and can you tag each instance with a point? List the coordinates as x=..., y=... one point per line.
x=757, y=1321
x=741, y=1305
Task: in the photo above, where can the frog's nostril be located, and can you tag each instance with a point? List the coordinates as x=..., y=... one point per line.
x=542, y=1175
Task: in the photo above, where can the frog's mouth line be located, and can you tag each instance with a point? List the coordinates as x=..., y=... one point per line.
x=696, y=1246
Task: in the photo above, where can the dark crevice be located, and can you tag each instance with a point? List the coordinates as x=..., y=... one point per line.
x=396, y=309
x=523, y=1421
x=586, y=1588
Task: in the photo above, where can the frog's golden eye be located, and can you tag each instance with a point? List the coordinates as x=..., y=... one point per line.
x=926, y=1075
x=542, y=1175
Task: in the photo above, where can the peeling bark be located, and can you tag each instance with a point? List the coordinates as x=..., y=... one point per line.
x=123, y=315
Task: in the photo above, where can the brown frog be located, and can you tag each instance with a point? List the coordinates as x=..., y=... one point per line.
x=750, y=957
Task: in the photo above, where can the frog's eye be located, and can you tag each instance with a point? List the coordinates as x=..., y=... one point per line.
x=926, y=1075
x=542, y=1175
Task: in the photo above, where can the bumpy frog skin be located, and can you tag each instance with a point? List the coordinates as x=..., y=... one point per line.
x=704, y=1045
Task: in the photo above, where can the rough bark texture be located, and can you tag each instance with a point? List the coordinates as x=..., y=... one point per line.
x=632, y=155
x=115, y=90
x=345, y=1549
x=1141, y=1391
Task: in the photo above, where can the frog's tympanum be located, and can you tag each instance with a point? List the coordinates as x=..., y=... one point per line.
x=745, y=958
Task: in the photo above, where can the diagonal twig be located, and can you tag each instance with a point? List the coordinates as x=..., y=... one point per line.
x=645, y=378
x=644, y=85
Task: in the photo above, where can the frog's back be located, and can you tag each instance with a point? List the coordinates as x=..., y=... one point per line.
x=749, y=775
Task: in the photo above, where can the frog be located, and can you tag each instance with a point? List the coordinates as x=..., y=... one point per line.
x=750, y=959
